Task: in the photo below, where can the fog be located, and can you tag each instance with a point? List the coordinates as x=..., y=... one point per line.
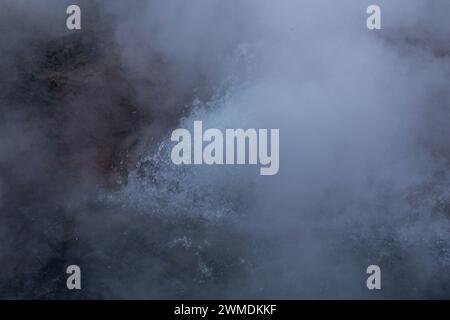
x=85, y=170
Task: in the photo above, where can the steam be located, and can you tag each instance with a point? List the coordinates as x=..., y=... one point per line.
x=363, y=153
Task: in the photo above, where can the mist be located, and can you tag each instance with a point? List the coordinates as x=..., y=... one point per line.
x=85, y=170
